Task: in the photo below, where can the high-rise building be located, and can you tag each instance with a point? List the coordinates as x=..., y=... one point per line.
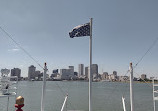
x=66, y=74
x=31, y=72
x=37, y=73
x=81, y=69
x=16, y=72
x=94, y=69
x=71, y=70
x=86, y=71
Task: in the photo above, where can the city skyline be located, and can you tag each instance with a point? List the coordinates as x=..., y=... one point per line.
x=71, y=75
x=32, y=72
x=122, y=33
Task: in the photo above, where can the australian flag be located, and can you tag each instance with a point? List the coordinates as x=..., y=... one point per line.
x=81, y=30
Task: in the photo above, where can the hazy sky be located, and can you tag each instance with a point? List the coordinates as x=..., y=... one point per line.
x=122, y=32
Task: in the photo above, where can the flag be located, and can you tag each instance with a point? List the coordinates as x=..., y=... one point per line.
x=81, y=30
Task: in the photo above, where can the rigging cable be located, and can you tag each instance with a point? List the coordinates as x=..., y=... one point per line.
x=21, y=47
x=153, y=44
x=145, y=81
x=134, y=68
x=137, y=65
x=29, y=56
x=146, y=53
x=124, y=92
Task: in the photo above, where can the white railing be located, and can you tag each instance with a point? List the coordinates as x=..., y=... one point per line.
x=155, y=98
x=8, y=88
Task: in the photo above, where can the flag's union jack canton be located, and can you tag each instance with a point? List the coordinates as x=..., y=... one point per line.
x=81, y=30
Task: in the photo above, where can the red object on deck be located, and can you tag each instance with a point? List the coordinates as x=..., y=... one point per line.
x=19, y=107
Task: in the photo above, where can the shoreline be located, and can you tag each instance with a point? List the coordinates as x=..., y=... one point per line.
x=97, y=81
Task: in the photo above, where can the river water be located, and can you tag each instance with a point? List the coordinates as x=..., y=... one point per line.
x=106, y=96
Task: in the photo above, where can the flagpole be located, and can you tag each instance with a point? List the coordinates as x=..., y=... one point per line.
x=90, y=64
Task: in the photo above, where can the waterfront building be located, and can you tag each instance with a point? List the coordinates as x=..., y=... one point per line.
x=54, y=73
x=151, y=78
x=113, y=77
x=94, y=69
x=31, y=72
x=123, y=78
x=57, y=78
x=99, y=77
x=67, y=74
x=143, y=76
x=37, y=74
x=16, y=72
x=87, y=72
x=72, y=69
x=81, y=70
x=105, y=76
x=40, y=76
x=76, y=73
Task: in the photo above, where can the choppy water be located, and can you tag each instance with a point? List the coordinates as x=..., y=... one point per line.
x=106, y=96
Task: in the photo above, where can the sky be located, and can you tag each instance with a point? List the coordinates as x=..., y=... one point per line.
x=122, y=33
